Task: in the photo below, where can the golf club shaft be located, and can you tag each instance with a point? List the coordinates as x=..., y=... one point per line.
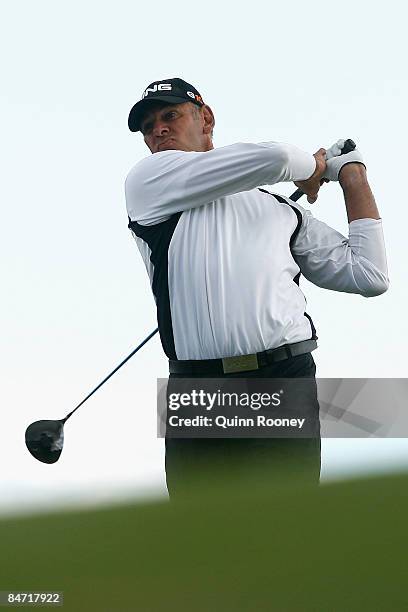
x=112, y=373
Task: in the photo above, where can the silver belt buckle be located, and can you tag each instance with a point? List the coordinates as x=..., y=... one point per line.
x=241, y=363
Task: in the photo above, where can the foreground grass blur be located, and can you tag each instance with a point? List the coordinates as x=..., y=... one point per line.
x=339, y=547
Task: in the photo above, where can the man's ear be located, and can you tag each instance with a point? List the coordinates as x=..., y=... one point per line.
x=209, y=119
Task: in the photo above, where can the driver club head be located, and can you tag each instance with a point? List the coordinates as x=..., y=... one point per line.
x=45, y=440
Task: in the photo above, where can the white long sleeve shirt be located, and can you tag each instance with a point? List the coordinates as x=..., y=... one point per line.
x=224, y=257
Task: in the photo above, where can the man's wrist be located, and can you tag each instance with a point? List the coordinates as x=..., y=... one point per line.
x=351, y=174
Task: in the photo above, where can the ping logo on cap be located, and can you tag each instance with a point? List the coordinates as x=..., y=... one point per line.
x=158, y=87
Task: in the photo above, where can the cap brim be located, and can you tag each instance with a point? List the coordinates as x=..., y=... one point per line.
x=136, y=113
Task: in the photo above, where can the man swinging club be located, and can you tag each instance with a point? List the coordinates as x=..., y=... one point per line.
x=224, y=259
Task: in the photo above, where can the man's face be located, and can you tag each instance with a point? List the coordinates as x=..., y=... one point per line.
x=179, y=126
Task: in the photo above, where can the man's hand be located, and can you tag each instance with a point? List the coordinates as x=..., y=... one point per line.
x=336, y=163
x=312, y=185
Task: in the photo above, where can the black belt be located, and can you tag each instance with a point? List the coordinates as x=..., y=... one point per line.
x=241, y=363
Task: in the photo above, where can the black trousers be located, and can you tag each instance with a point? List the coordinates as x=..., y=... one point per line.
x=201, y=462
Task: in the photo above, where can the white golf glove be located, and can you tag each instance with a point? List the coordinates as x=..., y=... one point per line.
x=335, y=161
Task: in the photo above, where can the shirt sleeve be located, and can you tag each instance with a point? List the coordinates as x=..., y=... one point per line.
x=171, y=181
x=328, y=259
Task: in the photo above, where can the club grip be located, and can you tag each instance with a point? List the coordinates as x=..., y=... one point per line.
x=348, y=146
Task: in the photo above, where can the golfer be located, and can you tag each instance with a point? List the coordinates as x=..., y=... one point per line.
x=224, y=257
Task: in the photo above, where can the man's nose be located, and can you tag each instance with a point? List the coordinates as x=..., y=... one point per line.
x=160, y=128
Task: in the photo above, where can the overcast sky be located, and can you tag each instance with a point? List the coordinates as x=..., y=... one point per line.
x=75, y=294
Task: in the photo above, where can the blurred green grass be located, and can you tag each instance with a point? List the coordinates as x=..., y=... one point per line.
x=338, y=547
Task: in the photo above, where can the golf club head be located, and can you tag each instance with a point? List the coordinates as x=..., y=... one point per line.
x=45, y=440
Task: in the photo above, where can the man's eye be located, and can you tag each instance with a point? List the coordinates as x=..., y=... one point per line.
x=148, y=127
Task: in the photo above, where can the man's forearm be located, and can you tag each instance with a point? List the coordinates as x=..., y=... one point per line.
x=358, y=197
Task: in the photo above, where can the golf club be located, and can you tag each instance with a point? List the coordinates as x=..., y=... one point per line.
x=45, y=439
